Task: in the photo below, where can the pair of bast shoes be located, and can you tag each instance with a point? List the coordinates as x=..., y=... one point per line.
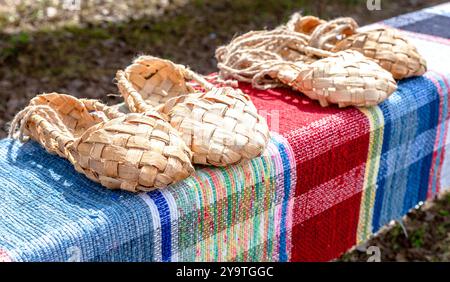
x=173, y=123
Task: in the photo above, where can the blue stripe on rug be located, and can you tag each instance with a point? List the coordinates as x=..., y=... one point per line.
x=287, y=187
x=419, y=172
x=164, y=215
x=411, y=117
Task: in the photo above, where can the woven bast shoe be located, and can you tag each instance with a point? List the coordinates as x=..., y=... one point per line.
x=133, y=152
x=386, y=46
x=389, y=49
x=221, y=126
x=344, y=78
x=157, y=80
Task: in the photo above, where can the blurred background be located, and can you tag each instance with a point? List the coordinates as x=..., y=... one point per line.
x=76, y=46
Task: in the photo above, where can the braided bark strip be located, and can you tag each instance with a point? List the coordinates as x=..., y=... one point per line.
x=133, y=152
x=249, y=54
x=220, y=126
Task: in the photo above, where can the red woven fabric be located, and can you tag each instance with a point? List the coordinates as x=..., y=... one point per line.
x=329, y=233
x=292, y=109
x=330, y=147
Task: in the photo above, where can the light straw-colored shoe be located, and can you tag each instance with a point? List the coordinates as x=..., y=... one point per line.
x=386, y=46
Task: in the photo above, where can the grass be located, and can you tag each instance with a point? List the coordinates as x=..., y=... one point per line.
x=417, y=237
x=427, y=236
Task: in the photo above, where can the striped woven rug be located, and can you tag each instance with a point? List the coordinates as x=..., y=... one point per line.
x=329, y=179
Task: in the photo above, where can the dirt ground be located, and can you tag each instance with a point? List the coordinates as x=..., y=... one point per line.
x=423, y=235
x=80, y=54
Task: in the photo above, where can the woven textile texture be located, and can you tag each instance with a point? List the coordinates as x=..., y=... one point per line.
x=329, y=179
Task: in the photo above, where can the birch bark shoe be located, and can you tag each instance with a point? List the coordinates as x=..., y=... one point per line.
x=221, y=126
x=345, y=78
x=385, y=46
x=389, y=49
x=157, y=80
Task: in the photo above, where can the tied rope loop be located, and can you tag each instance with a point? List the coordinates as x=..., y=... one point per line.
x=198, y=78
x=324, y=35
x=321, y=34
x=254, y=57
x=18, y=128
x=55, y=132
x=94, y=106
